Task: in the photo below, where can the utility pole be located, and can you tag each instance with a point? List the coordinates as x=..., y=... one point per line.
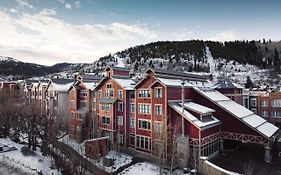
x=182, y=101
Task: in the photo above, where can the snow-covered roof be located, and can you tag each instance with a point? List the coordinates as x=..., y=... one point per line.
x=192, y=119
x=197, y=108
x=172, y=82
x=127, y=84
x=90, y=85
x=62, y=87
x=240, y=112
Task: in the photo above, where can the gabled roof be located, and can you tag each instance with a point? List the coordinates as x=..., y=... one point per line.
x=61, y=85
x=243, y=114
x=127, y=84
x=90, y=77
x=177, y=106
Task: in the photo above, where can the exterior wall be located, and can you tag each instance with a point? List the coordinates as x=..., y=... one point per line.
x=94, y=148
x=113, y=130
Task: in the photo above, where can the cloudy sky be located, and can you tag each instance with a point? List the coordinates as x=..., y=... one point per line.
x=52, y=31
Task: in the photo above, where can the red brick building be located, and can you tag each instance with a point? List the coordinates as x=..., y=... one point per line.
x=82, y=111
x=173, y=115
x=115, y=106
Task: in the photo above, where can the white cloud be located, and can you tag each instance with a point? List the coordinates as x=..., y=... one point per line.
x=224, y=36
x=77, y=4
x=44, y=39
x=12, y=10
x=23, y=4
x=68, y=6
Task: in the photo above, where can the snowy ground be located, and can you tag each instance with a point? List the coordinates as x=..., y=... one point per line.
x=149, y=169
x=120, y=160
x=35, y=162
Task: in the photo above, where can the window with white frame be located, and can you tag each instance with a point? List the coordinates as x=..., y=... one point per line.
x=144, y=124
x=132, y=122
x=264, y=103
x=158, y=92
x=83, y=93
x=253, y=102
x=132, y=107
x=144, y=108
x=143, y=142
x=264, y=113
x=72, y=104
x=120, y=120
x=144, y=93
x=99, y=93
x=276, y=114
x=158, y=127
x=105, y=120
x=120, y=106
x=105, y=106
x=158, y=109
x=120, y=94
x=109, y=92
x=276, y=103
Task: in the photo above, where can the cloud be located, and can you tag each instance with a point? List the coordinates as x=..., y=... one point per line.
x=68, y=6
x=224, y=36
x=77, y=4
x=23, y=4
x=42, y=38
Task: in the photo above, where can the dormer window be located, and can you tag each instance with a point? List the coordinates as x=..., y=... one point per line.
x=207, y=117
x=109, y=91
x=144, y=93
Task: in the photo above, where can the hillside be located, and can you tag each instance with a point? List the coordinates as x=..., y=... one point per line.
x=236, y=60
x=11, y=66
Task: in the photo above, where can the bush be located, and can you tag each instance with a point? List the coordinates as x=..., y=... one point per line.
x=27, y=152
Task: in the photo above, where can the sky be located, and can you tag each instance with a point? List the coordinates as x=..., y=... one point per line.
x=81, y=31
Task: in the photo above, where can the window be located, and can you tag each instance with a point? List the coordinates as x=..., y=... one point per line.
x=264, y=113
x=120, y=138
x=144, y=108
x=158, y=92
x=158, y=109
x=105, y=106
x=143, y=142
x=158, y=127
x=132, y=122
x=253, y=102
x=109, y=92
x=132, y=139
x=120, y=120
x=132, y=107
x=105, y=120
x=99, y=94
x=132, y=94
x=206, y=118
x=264, y=103
x=143, y=124
x=83, y=104
x=120, y=94
x=120, y=106
x=83, y=93
x=276, y=114
x=72, y=104
x=144, y=93
x=276, y=103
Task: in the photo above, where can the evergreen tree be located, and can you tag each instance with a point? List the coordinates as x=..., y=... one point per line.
x=249, y=83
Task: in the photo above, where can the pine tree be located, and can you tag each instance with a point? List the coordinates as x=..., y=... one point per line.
x=249, y=83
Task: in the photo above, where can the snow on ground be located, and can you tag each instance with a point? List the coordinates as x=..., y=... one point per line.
x=120, y=160
x=148, y=168
x=36, y=161
x=210, y=60
x=120, y=62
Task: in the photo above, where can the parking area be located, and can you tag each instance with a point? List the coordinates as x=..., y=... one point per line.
x=247, y=159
